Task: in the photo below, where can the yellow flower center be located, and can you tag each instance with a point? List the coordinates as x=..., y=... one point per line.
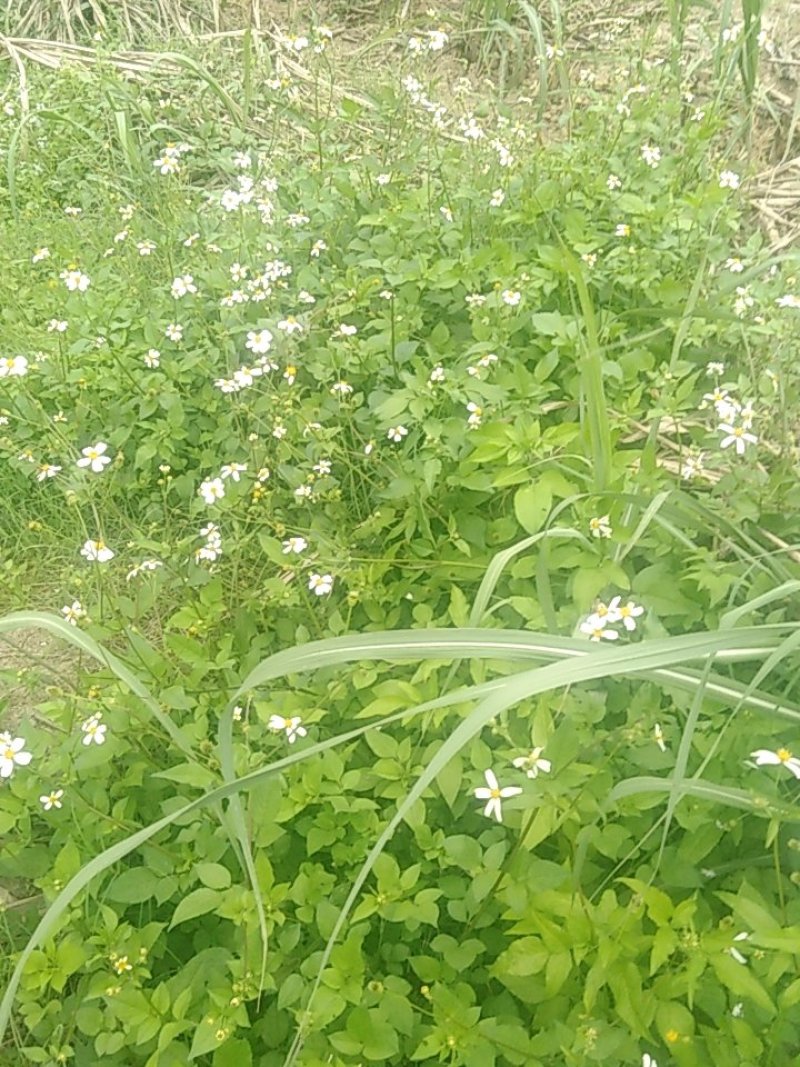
x=784, y=755
x=494, y=794
x=672, y=1036
x=8, y=753
x=738, y=431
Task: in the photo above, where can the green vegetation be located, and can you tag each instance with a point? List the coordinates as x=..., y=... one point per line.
x=403, y=478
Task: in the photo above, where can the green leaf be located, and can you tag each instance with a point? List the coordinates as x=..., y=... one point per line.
x=198, y=902
x=133, y=886
x=213, y=875
x=532, y=505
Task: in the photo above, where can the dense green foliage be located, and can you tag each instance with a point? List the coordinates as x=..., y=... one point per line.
x=411, y=337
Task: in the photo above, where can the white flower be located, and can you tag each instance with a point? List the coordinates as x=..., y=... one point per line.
x=57, y=326
x=290, y=325
x=320, y=584
x=341, y=389
x=12, y=754
x=47, y=470
x=600, y=526
x=383, y=179
x=497, y=198
x=258, y=341
x=291, y=727
x=474, y=300
x=168, y=162
x=323, y=467
x=738, y=436
x=437, y=374
x=296, y=220
x=728, y=179
x=346, y=330
x=13, y=366
x=510, y=297
x=788, y=301
x=658, y=737
x=737, y=1011
x=144, y=248
x=743, y=301
x=317, y=247
x=294, y=545
x=97, y=551
x=75, y=280
x=152, y=358
x=39, y=254
x=141, y=568
x=233, y=471
x=94, y=730
x=622, y=230
x=182, y=285
x=212, y=490
x=304, y=297
x=52, y=800
x=437, y=39
x=613, y=182
x=595, y=629
x=533, y=763
x=475, y=415
x=174, y=332
x=230, y=200
x=737, y=955
x=715, y=369
x=494, y=795
x=94, y=457
x=648, y=1061
x=191, y=239
x=734, y=265
x=651, y=154
x=73, y=613
x=446, y=213
x=302, y=492
x=781, y=758
x=242, y=160
x=396, y=433
x=627, y=614
x=73, y=212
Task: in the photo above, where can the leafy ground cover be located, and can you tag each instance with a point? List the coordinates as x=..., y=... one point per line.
x=413, y=484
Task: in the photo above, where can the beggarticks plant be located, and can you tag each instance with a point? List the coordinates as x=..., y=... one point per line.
x=309, y=371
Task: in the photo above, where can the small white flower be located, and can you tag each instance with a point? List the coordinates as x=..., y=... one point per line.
x=323, y=467
x=12, y=754
x=96, y=551
x=396, y=433
x=39, y=254
x=734, y=265
x=242, y=160
x=737, y=1011
x=446, y=213
x=600, y=526
x=497, y=198
x=317, y=247
x=764, y=757
x=182, y=285
x=533, y=763
x=733, y=951
x=290, y=325
x=595, y=629
x=437, y=374
x=302, y=492
x=613, y=182
x=75, y=280
x=94, y=457
x=729, y=179
x=511, y=297
x=191, y=239
x=320, y=584
x=296, y=220
x=13, y=366
x=212, y=490
x=347, y=330
x=93, y=730
x=143, y=567
x=73, y=212
x=52, y=800
x=174, y=331
x=152, y=358
x=648, y=1061
x=475, y=300
x=144, y=248
x=658, y=737
x=230, y=200
x=383, y=179
x=259, y=341
x=715, y=369
x=233, y=471
x=622, y=229
x=72, y=613
x=291, y=727
x=294, y=545
x=341, y=389
x=788, y=301
x=627, y=614
x=495, y=795
x=47, y=470
x=651, y=154
x=475, y=415
x=738, y=436
x=57, y=326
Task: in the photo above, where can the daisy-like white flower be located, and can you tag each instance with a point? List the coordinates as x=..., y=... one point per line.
x=600, y=526
x=494, y=795
x=295, y=220
x=94, y=457
x=96, y=551
x=346, y=329
x=738, y=436
x=613, y=182
x=13, y=367
x=234, y=471
x=627, y=614
x=437, y=374
x=291, y=727
x=168, y=162
x=320, y=584
x=72, y=613
x=589, y=258
x=714, y=369
x=242, y=160
x=396, y=433
x=323, y=467
x=316, y=248
x=290, y=325
x=651, y=154
x=782, y=757
x=12, y=754
x=258, y=341
x=474, y=300
x=39, y=254
x=182, y=285
x=93, y=730
x=141, y=568
x=75, y=280
x=648, y=1061
x=658, y=737
x=212, y=490
x=152, y=358
x=383, y=179
x=174, y=331
x=729, y=179
x=533, y=763
x=595, y=629
x=511, y=297
x=497, y=198
x=475, y=415
x=144, y=248
x=622, y=229
x=304, y=297
x=230, y=200
x=57, y=326
x=446, y=213
x=607, y=613
x=294, y=545
x=52, y=800
x=47, y=470
x=245, y=376
x=341, y=389
x=734, y=265
x=73, y=211
x=788, y=301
